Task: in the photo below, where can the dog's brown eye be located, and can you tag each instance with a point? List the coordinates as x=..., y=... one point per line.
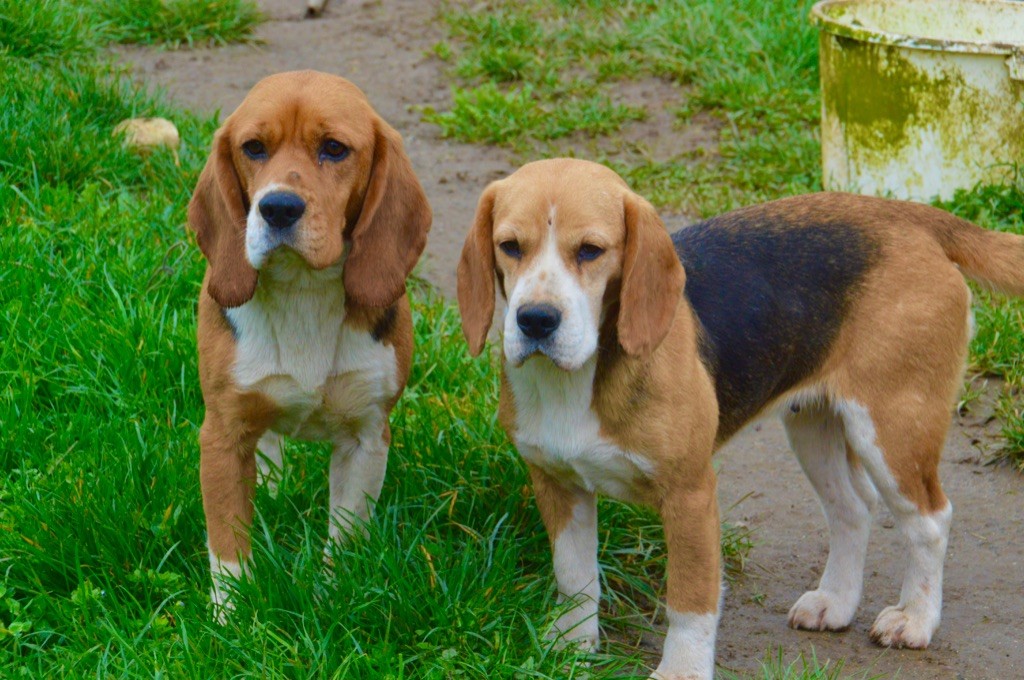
x=255, y=150
x=333, y=150
x=511, y=248
x=588, y=252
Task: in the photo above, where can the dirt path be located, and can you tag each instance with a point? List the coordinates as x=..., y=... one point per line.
x=982, y=632
x=382, y=47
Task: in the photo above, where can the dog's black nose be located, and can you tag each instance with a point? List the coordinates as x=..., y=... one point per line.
x=282, y=209
x=538, y=321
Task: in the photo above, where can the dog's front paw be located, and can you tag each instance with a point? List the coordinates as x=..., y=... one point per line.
x=588, y=642
x=689, y=646
x=220, y=601
x=669, y=675
x=821, y=610
x=895, y=627
x=571, y=630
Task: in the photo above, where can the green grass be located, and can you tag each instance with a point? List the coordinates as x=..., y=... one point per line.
x=178, y=22
x=488, y=113
x=775, y=667
x=44, y=29
x=66, y=29
x=524, y=71
x=998, y=345
x=751, y=65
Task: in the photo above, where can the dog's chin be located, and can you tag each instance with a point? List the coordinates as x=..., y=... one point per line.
x=544, y=353
x=284, y=262
x=301, y=246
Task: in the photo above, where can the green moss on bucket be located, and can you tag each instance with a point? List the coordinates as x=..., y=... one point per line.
x=877, y=94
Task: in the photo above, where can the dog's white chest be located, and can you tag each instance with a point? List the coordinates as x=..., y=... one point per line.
x=326, y=377
x=557, y=430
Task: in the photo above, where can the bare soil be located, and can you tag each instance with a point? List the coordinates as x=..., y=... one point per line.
x=384, y=48
x=982, y=631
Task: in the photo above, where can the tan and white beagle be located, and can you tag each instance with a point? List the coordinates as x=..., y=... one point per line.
x=311, y=218
x=630, y=355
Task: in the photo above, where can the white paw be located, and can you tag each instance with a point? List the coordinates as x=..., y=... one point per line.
x=669, y=675
x=587, y=644
x=269, y=472
x=271, y=479
x=221, y=590
x=689, y=646
x=220, y=599
x=821, y=610
x=569, y=630
x=895, y=627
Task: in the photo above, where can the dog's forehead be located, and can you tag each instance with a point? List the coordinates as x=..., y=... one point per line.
x=306, y=102
x=565, y=207
x=562, y=194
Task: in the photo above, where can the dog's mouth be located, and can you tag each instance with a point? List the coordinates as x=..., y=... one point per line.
x=284, y=262
x=301, y=245
x=539, y=350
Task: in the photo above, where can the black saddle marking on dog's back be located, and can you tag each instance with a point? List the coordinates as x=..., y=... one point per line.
x=770, y=291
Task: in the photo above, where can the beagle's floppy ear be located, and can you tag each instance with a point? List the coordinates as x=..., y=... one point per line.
x=391, y=231
x=652, y=279
x=476, y=275
x=217, y=213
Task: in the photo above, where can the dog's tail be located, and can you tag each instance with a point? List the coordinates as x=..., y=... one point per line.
x=992, y=258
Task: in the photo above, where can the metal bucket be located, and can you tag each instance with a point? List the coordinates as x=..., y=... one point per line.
x=920, y=97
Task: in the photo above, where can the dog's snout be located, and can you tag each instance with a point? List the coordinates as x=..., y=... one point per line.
x=538, y=321
x=282, y=209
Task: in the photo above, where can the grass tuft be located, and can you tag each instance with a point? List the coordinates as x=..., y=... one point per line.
x=179, y=22
x=489, y=114
x=44, y=29
x=775, y=667
x=48, y=29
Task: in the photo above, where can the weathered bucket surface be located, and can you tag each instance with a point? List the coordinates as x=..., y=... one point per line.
x=920, y=97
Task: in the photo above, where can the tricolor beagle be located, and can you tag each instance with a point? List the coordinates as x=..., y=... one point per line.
x=311, y=218
x=846, y=314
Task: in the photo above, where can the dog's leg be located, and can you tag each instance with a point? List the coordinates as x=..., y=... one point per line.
x=227, y=471
x=692, y=533
x=900, y=450
x=358, y=465
x=816, y=436
x=269, y=461
x=570, y=518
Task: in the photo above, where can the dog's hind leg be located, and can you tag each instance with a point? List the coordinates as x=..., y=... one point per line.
x=269, y=461
x=900, y=448
x=358, y=465
x=816, y=436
